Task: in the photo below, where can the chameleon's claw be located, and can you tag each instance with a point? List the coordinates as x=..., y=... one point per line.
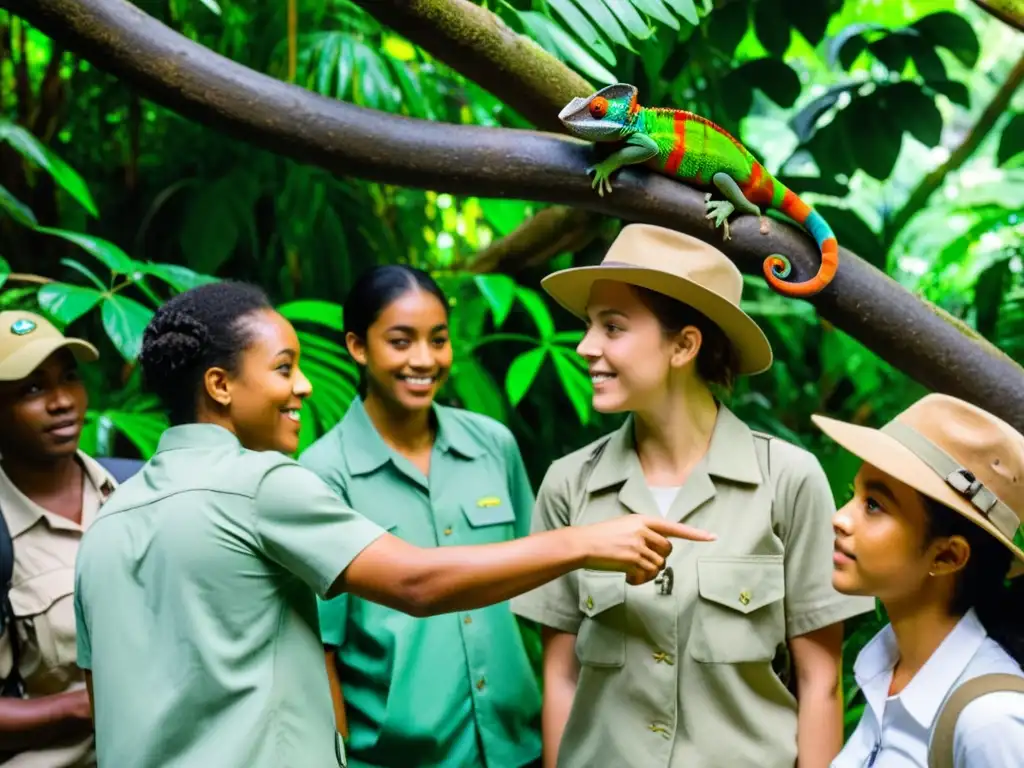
x=719, y=212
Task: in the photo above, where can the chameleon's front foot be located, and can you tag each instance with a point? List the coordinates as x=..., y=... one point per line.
x=719, y=212
x=602, y=181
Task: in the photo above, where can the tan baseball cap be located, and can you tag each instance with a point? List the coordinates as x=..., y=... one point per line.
x=677, y=265
x=27, y=339
x=953, y=452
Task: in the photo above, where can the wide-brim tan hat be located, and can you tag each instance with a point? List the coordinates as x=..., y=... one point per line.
x=681, y=267
x=952, y=452
x=27, y=339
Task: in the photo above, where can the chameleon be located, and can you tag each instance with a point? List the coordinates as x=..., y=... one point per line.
x=694, y=150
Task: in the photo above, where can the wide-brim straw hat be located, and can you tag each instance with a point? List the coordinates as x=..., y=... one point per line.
x=27, y=339
x=952, y=452
x=681, y=267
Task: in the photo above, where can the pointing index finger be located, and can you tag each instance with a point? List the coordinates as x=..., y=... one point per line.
x=680, y=531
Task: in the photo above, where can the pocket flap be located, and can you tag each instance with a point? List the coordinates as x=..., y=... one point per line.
x=743, y=583
x=37, y=594
x=600, y=591
x=489, y=510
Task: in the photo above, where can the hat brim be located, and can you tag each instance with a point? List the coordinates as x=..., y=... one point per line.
x=571, y=289
x=21, y=364
x=895, y=459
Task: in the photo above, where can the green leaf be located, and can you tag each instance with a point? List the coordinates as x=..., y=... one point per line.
x=772, y=26
x=142, y=429
x=180, y=278
x=18, y=211
x=29, y=146
x=5, y=271
x=67, y=302
x=212, y=5
x=538, y=311
x=853, y=233
x=579, y=24
x=810, y=19
x=522, y=372
x=953, y=32
x=475, y=387
x=917, y=113
x=84, y=270
x=500, y=293
x=727, y=26
x=314, y=311
x=1012, y=140
x=686, y=9
x=953, y=90
x=116, y=260
x=504, y=215
x=575, y=383
x=778, y=81
x=567, y=48
x=630, y=19
x=125, y=321
x=657, y=10
x=606, y=22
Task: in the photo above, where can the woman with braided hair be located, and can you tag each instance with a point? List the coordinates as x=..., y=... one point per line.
x=196, y=586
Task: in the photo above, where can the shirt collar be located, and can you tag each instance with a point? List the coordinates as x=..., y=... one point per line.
x=925, y=693
x=366, y=451
x=21, y=513
x=196, y=435
x=731, y=454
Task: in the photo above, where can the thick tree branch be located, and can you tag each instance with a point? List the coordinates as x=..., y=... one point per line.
x=982, y=128
x=514, y=69
x=353, y=141
x=1009, y=12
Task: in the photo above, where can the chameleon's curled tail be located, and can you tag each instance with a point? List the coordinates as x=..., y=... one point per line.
x=777, y=266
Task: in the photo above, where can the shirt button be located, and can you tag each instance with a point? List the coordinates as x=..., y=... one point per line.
x=590, y=602
x=658, y=728
x=480, y=684
x=660, y=656
x=447, y=531
x=745, y=597
x=468, y=620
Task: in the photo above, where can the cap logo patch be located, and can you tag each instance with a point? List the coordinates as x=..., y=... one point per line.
x=22, y=326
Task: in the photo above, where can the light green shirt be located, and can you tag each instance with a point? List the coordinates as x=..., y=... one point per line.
x=455, y=690
x=196, y=608
x=693, y=676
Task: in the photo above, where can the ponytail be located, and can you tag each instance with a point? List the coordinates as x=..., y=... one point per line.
x=998, y=602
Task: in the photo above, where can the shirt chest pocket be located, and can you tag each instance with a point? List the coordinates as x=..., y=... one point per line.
x=740, y=612
x=491, y=518
x=601, y=640
x=45, y=606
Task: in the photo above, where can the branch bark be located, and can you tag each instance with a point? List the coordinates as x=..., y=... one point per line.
x=982, y=128
x=349, y=140
x=524, y=76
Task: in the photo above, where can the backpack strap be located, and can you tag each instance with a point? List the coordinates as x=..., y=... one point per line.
x=12, y=686
x=940, y=751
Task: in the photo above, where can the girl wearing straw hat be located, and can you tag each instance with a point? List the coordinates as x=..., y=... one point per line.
x=930, y=531
x=731, y=657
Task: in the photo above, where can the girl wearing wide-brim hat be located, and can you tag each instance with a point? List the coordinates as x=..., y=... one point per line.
x=930, y=532
x=731, y=658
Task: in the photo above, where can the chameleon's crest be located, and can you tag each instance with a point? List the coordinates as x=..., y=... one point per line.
x=604, y=116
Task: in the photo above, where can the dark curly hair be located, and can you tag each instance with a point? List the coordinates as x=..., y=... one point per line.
x=196, y=330
x=982, y=584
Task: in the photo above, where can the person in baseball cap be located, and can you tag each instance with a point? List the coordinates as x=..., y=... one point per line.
x=50, y=492
x=933, y=531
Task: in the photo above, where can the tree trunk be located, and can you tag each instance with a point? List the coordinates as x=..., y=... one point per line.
x=913, y=335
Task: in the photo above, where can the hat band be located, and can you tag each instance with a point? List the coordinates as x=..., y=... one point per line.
x=958, y=478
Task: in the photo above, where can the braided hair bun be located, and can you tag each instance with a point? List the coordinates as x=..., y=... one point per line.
x=196, y=330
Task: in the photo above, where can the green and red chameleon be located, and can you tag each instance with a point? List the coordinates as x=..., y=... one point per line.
x=694, y=150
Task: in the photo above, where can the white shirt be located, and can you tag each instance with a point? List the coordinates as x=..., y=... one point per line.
x=989, y=732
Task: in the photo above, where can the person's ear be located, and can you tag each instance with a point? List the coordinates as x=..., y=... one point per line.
x=951, y=557
x=685, y=346
x=217, y=384
x=356, y=347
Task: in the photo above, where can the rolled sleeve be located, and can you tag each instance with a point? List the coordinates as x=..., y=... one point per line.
x=304, y=527
x=811, y=601
x=556, y=603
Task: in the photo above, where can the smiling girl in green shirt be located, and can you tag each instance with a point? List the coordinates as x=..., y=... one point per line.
x=449, y=690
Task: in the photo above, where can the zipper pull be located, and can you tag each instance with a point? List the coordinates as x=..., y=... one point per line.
x=874, y=753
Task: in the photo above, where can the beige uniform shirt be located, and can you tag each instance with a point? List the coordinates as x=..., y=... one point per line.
x=45, y=546
x=693, y=675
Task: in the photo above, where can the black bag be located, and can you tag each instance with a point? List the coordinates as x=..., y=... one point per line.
x=13, y=686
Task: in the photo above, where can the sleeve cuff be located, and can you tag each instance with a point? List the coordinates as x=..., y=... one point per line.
x=545, y=615
x=839, y=609
x=360, y=539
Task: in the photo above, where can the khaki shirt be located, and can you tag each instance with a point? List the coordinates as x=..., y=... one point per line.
x=695, y=676
x=45, y=547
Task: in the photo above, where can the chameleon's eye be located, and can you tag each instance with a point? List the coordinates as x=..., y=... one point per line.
x=599, y=107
